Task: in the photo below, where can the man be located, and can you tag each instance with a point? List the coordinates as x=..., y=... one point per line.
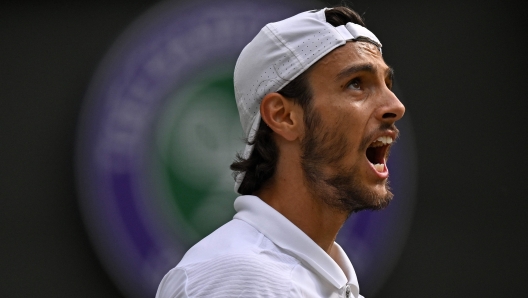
x=315, y=101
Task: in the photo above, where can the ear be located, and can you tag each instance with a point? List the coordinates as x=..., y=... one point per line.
x=283, y=116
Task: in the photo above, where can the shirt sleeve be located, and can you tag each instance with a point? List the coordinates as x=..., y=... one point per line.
x=173, y=285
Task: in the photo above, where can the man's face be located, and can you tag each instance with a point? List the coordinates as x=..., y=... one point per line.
x=349, y=127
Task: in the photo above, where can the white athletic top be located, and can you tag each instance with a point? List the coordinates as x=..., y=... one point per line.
x=260, y=253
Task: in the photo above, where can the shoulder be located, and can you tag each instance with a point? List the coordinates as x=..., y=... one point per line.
x=240, y=275
x=227, y=264
x=173, y=284
x=234, y=237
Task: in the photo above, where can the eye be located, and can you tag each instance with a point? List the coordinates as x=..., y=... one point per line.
x=355, y=84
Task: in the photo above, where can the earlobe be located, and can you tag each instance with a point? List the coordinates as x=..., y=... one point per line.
x=283, y=116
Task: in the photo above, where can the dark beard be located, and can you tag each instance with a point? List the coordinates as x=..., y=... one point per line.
x=323, y=148
x=347, y=194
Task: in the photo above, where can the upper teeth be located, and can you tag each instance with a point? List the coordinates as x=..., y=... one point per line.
x=382, y=141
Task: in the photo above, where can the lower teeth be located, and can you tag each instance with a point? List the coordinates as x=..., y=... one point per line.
x=379, y=167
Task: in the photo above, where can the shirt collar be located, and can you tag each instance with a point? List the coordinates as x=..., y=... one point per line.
x=289, y=237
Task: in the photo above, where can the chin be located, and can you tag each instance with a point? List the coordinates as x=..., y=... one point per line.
x=383, y=201
x=369, y=199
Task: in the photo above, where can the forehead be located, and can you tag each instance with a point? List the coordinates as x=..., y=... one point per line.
x=355, y=52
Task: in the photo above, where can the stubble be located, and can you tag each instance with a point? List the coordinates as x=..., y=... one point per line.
x=323, y=151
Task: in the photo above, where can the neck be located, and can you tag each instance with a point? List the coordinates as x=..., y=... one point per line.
x=288, y=193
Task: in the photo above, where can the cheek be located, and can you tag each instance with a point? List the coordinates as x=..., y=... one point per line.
x=344, y=118
x=349, y=117
x=352, y=125
x=349, y=129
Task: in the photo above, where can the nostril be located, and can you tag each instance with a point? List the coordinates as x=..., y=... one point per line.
x=389, y=115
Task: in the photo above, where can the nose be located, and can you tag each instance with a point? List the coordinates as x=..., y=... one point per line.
x=391, y=109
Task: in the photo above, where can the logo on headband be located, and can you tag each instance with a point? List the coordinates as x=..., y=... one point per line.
x=159, y=130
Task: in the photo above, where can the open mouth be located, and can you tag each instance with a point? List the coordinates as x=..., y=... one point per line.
x=377, y=152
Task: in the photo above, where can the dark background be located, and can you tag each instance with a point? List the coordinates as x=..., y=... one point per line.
x=462, y=69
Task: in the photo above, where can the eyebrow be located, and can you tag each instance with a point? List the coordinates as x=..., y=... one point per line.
x=368, y=67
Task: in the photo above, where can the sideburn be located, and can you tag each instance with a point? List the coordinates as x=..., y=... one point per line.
x=320, y=146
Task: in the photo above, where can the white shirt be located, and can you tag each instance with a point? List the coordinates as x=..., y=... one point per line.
x=260, y=253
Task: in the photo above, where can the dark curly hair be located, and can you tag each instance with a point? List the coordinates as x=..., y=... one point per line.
x=261, y=164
